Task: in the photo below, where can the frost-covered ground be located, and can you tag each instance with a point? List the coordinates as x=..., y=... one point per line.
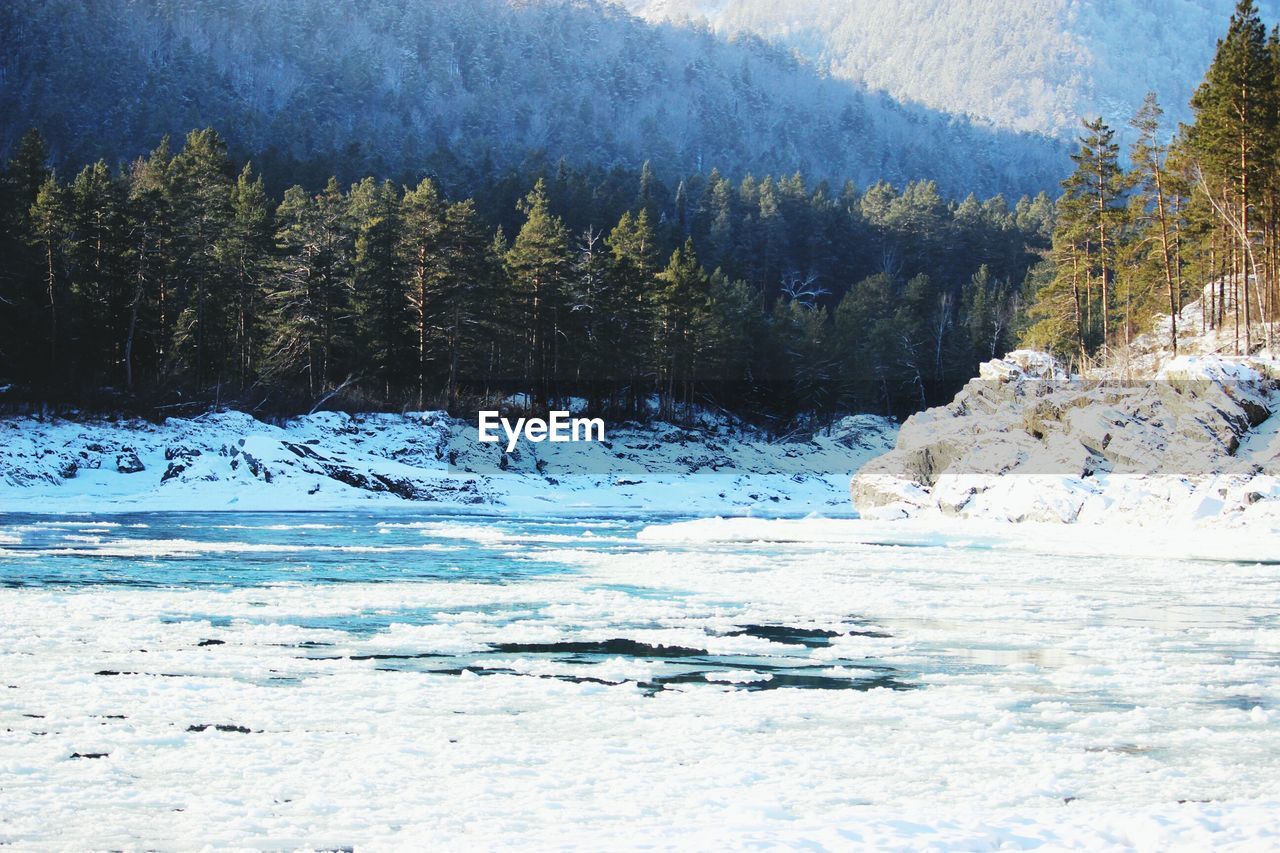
x=328, y=460
x=393, y=680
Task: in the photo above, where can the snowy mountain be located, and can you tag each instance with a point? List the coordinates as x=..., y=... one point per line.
x=1034, y=65
x=462, y=87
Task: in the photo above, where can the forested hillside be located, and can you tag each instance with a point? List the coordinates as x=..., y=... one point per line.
x=458, y=88
x=1022, y=64
x=329, y=271
x=181, y=277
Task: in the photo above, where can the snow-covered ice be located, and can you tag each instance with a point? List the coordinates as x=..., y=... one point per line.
x=395, y=680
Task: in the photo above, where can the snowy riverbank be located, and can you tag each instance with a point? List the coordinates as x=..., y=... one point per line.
x=330, y=461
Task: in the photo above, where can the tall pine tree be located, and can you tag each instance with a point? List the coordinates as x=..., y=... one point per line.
x=538, y=263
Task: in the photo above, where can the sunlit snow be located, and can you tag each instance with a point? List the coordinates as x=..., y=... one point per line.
x=380, y=679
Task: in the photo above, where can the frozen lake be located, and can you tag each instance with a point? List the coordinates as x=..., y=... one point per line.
x=335, y=680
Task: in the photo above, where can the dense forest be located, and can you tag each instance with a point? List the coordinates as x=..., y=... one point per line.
x=1191, y=217
x=177, y=280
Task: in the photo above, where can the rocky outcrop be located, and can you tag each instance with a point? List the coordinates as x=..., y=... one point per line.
x=1027, y=441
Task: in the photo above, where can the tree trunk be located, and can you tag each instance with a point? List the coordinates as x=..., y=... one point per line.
x=133, y=313
x=1244, y=224
x=1168, y=264
x=539, y=357
x=51, y=283
x=422, y=341
x=1102, y=253
x=1075, y=290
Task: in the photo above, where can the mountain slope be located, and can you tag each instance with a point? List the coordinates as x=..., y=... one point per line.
x=1033, y=65
x=399, y=88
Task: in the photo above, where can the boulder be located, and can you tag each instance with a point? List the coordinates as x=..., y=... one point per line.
x=127, y=462
x=1026, y=440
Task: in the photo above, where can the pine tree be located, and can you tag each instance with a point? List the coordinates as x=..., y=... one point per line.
x=1061, y=305
x=681, y=300
x=202, y=178
x=384, y=322
x=682, y=212
x=29, y=168
x=1089, y=216
x=150, y=261
x=718, y=215
x=50, y=225
x=877, y=207
x=506, y=347
x=313, y=330
x=247, y=257
x=22, y=282
x=588, y=308
x=646, y=198
x=538, y=264
x=988, y=315
x=421, y=253
x=628, y=304
x=1035, y=216
x=923, y=320
x=95, y=259
x=869, y=343
x=737, y=330
x=802, y=349
x=1148, y=157
x=465, y=295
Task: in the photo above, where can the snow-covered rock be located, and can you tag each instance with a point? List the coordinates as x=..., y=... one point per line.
x=328, y=460
x=1022, y=364
x=1027, y=442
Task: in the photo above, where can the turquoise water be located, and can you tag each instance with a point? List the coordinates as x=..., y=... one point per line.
x=251, y=549
x=208, y=552
x=536, y=590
